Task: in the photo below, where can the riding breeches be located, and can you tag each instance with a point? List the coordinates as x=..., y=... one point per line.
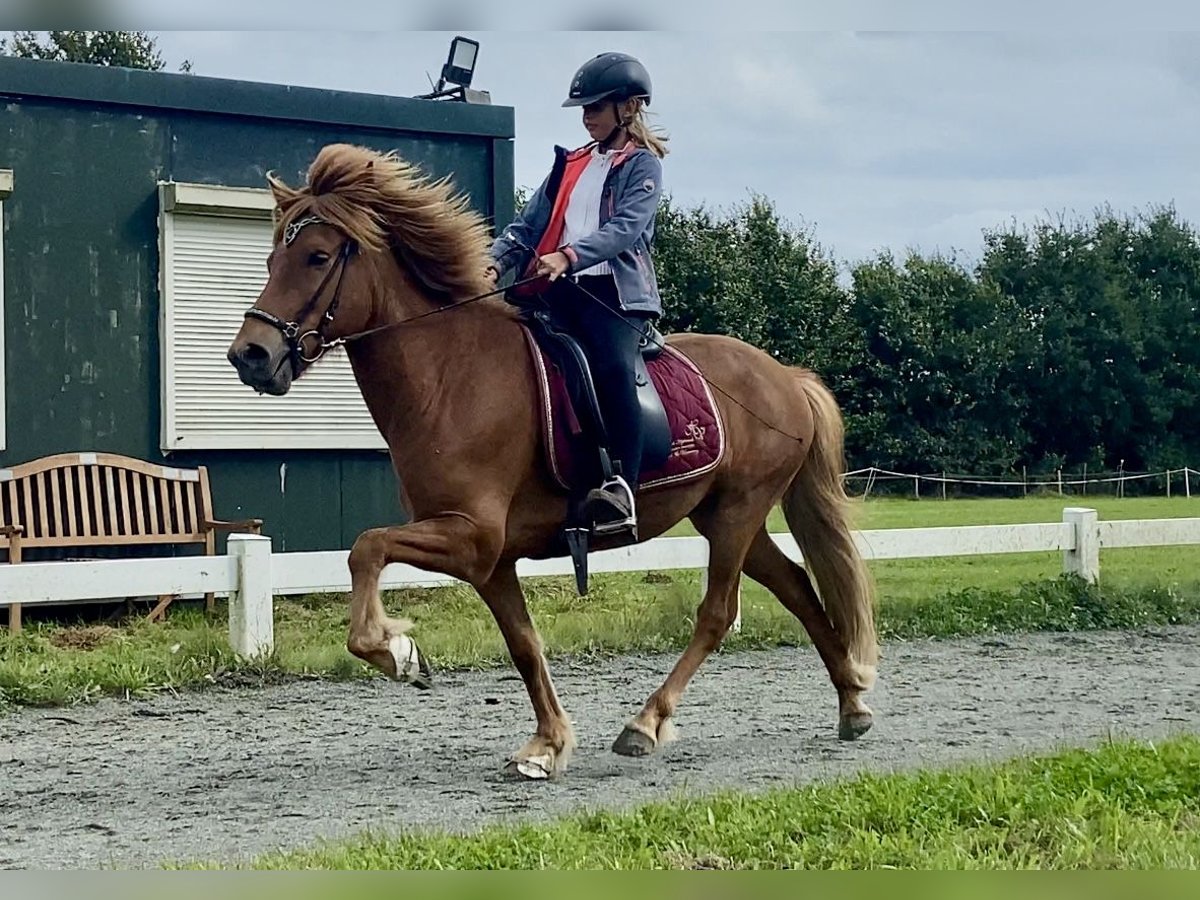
x=610, y=339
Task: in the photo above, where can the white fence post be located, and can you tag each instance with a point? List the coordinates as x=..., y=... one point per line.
x=1084, y=560
x=251, y=606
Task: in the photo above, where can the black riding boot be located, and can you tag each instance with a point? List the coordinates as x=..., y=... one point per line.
x=591, y=312
x=610, y=507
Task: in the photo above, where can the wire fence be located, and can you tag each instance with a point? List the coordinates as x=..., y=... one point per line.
x=947, y=485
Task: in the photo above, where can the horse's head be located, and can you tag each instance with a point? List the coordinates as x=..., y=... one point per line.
x=312, y=294
x=367, y=240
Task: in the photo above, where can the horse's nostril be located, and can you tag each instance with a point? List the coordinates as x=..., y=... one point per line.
x=255, y=354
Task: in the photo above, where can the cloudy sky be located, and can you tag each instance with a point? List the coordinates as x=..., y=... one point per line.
x=872, y=140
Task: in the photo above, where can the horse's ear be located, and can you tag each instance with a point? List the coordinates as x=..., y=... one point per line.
x=279, y=190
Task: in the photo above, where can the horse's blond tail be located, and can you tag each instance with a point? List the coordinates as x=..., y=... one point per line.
x=817, y=511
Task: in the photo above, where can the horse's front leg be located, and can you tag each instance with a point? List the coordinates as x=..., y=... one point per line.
x=546, y=754
x=455, y=545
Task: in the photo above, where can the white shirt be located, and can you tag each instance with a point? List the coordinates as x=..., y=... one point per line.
x=583, y=208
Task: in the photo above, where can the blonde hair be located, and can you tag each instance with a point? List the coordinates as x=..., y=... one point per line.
x=640, y=131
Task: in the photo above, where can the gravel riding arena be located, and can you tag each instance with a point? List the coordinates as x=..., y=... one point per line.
x=229, y=774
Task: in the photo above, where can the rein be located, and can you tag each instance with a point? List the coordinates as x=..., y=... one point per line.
x=337, y=342
x=294, y=337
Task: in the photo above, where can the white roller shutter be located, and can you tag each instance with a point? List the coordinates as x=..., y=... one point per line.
x=214, y=266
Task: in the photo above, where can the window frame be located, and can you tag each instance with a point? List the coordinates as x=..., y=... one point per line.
x=222, y=202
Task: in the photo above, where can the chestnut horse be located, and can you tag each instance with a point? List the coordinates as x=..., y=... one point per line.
x=374, y=255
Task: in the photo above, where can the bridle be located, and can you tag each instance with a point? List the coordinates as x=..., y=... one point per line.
x=291, y=330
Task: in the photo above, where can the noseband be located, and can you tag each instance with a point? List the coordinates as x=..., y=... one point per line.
x=291, y=330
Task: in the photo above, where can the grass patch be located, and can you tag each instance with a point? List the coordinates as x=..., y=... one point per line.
x=1064, y=604
x=631, y=612
x=905, y=512
x=1124, y=805
x=48, y=665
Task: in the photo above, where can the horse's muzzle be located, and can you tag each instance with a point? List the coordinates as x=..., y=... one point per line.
x=267, y=371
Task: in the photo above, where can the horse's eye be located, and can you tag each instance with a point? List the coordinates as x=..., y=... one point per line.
x=317, y=258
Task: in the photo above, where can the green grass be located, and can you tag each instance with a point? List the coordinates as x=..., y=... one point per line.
x=903, y=512
x=634, y=612
x=1123, y=805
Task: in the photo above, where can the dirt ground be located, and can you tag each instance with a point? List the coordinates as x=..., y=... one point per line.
x=230, y=774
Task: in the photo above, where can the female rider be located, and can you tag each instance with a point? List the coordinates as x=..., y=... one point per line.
x=591, y=222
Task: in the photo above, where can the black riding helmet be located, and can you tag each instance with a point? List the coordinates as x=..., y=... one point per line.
x=609, y=76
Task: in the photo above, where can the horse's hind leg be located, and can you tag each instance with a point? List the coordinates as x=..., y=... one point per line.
x=770, y=567
x=651, y=727
x=545, y=754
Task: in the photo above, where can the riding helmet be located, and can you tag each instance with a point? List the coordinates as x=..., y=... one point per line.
x=612, y=76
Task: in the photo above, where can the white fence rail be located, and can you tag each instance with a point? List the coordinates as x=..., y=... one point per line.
x=251, y=575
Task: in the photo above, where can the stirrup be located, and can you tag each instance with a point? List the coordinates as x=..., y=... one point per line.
x=612, y=518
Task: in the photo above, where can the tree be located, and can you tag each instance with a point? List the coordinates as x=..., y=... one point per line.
x=748, y=273
x=128, y=49
x=936, y=383
x=1069, y=344
x=703, y=274
x=1114, y=304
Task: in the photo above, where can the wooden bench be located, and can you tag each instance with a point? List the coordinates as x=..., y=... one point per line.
x=105, y=500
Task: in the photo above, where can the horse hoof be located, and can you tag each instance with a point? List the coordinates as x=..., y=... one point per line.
x=854, y=726
x=536, y=768
x=632, y=742
x=410, y=664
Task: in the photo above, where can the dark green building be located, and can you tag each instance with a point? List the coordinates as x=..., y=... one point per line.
x=135, y=231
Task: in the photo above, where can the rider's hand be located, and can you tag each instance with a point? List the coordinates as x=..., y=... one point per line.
x=491, y=274
x=553, y=264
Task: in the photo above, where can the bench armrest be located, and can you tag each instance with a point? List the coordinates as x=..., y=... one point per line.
x=254, y=526
x=11, y=535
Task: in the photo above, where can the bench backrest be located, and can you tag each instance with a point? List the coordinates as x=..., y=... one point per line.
x=88, y=499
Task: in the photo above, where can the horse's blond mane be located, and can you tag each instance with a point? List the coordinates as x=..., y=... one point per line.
x=382, y=202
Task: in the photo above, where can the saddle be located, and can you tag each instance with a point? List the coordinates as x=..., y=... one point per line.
x=683, y=437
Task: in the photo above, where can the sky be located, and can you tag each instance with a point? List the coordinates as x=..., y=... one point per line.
x=868, y=140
